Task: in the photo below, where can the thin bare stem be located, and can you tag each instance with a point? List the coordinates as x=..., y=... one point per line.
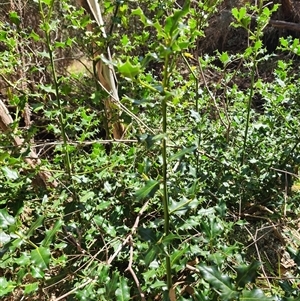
x=129, y=269
x=258, y=255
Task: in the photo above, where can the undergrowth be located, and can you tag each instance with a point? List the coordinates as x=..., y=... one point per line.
x=179, y=207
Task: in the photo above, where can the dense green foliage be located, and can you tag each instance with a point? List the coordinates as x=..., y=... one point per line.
x=159, y=214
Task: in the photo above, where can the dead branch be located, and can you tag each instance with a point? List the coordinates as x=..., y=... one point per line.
x=285, y=25
x=132, y=272
x=254, y=239
x=105, y=72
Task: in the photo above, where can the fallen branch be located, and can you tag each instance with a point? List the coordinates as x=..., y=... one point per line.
x=285, y=25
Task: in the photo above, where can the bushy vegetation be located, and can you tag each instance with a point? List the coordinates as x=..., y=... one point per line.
x=199, y=198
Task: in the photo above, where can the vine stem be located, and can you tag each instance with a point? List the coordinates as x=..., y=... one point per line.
x=165, y=170
x=46, y=21
x=248, y=113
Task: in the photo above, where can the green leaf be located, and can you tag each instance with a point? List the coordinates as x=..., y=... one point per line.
x=128, y=70
x=6, y=219
x=284, y=42
x=50, y=234
x=172, y=21
x=108, y=228
x=16, y=243
x=3, y=282
x=182, y=206
x=183, y=152
x=148, y=190
x=246, y=273
x=224, y=58
x=44, y=54
x=152, y=253
x=122, y=293
x=241, y=16
x=112, y=282
x=216, y=258
x=35, y=225
x=47, y=88
x=143, y=18
x=14, y=18
x=159, y=137
x=219, y=282
x=22, y=272
x=86, y=196
x=149, y=275
x=4, y=238
x=195, y=115
x=254, y=295
x=161, y=285
x=6, y=286
x=257, y=45
x=166, y=240
x=239, y=13
x=40, y=257
x=147, y=234
x=34, y=36
x=23, y=260
x=212, y=227
x=9, y=173
x=4, y=155
x=103, y=205
x=47, y=2
x=177, y=255
x=31, y=287
x=36, y=272
x=107, y=187
x=150, y=139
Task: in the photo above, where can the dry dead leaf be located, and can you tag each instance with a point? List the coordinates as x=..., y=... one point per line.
x=172, y=294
